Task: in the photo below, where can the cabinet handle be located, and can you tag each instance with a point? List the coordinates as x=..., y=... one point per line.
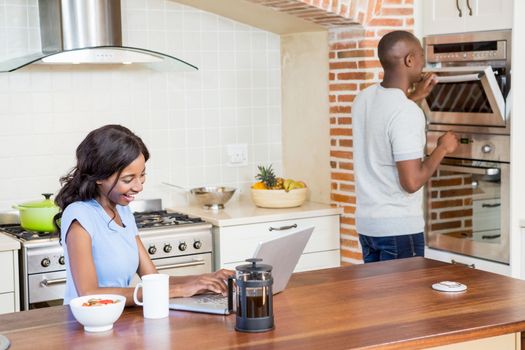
x=490, y=236
x=459, y=9
x=472, y=266
x=486, y=205
x=469, y=8
x=282, y=228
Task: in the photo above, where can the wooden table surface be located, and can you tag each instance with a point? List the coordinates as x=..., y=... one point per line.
x=388, y=305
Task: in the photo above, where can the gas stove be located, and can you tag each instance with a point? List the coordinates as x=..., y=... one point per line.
x=176, y=243
x=162, y=218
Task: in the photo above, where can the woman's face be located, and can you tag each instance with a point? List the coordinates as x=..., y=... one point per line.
x=128, y=183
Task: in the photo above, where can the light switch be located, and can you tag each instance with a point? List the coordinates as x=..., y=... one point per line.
x=237, y=154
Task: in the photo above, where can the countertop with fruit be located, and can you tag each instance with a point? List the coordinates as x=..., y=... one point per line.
x=273, y=198
x=246, y=212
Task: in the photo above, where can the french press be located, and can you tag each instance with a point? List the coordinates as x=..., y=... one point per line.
x=254, y=295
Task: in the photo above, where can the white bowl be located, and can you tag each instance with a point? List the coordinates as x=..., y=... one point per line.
x=279, y=198
x=98, y=318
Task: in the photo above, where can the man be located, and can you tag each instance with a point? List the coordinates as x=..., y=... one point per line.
x=389, y=141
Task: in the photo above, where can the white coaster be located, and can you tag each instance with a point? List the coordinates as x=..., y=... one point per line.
x=449, y=286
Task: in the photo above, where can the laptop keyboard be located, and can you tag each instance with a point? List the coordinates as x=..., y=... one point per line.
x=216, y=299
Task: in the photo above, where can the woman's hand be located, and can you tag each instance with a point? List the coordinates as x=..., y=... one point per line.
x=209, y=282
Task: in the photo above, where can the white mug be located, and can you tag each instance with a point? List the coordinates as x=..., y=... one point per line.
x=155, y=295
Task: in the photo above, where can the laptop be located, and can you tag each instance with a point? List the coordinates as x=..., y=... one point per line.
x=282, y=253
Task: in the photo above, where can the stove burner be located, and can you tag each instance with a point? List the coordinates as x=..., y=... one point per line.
x=163, y=218
x=19, y=232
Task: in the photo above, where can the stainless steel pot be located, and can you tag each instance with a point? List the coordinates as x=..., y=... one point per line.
x=213, y=197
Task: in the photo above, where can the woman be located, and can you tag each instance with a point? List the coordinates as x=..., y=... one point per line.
x=102, y=248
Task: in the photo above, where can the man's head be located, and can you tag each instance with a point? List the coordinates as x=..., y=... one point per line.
x=400, y=51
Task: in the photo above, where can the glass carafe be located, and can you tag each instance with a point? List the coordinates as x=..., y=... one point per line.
x=254, y=297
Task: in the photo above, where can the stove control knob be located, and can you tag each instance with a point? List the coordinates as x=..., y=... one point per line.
x=61, y=260
x=486, y=148
x=152, y=249
x=182, y=246
x=197, y=244
x=167, y=248
x=45, y=262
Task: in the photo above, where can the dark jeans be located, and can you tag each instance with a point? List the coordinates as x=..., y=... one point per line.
x=392, y=247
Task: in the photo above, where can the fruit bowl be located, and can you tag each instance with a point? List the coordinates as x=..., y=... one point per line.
x=99, y=317
x=279, y=198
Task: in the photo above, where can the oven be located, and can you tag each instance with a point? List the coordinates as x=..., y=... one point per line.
x=177, y=244
x=473, y=80
x=467, y=198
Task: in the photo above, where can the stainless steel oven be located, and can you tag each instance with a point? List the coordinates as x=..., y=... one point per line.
x=467, y=198
x=473, y=75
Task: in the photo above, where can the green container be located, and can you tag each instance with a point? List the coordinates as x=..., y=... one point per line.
x=38, y=215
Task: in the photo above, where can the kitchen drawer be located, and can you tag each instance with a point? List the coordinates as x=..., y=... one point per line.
x=7, y=276
x=234, y=244
x=486, y=214
x=307, y=262
x=237, y=243
x=7, y=303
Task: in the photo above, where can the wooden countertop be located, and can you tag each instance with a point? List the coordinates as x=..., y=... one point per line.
x=245, y=212
x=387, y=305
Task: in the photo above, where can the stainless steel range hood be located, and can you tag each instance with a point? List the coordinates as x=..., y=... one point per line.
x=88, y=32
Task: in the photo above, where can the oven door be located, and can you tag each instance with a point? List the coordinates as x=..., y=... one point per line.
x=465, y=96
x=467, y=211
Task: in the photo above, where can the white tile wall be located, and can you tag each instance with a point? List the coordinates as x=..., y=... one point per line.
x=186, y=119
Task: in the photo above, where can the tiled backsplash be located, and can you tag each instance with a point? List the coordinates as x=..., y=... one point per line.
x=185, y=119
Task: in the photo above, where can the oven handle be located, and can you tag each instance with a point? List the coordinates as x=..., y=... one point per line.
x=48, y=283
x=459, y=78
x=179, y=265
x=479, y=171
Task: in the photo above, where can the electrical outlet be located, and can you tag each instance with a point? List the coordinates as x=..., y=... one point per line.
x=237, y=154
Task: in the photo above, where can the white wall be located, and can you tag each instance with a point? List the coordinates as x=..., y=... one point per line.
x=186, y=119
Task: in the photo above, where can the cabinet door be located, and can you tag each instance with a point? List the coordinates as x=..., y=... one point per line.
x=7, y=277
x=7, y=303
x=443, y=16
x=488, y=15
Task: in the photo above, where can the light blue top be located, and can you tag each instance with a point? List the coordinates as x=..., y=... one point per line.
x=114, y=248
x=387, y=128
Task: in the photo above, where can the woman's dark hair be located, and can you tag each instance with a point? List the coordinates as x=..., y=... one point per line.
x=104, y=152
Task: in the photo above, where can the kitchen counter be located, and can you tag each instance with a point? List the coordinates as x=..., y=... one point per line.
x=8, y=243
x=386, y=305
x=245, y=212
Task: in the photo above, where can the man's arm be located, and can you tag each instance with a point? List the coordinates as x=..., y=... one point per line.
x=414, y=173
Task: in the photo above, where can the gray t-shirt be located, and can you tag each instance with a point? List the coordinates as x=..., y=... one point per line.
x=387, y=127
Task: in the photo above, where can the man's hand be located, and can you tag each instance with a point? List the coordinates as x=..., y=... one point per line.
x=448, y=141
x=423, y=88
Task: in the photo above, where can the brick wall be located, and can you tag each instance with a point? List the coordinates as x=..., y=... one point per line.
x=451, y=199
x=353, y=67
x=355, y=27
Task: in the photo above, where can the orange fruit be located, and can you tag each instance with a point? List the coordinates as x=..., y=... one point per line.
x=259, y=186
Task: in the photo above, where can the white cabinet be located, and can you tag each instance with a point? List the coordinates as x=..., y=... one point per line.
x=9, y=290
x=234, y=244
x=457, y=16
x=479, y=264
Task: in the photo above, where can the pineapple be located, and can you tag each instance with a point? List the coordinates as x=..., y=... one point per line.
x=279, y=184
x=267, y=176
